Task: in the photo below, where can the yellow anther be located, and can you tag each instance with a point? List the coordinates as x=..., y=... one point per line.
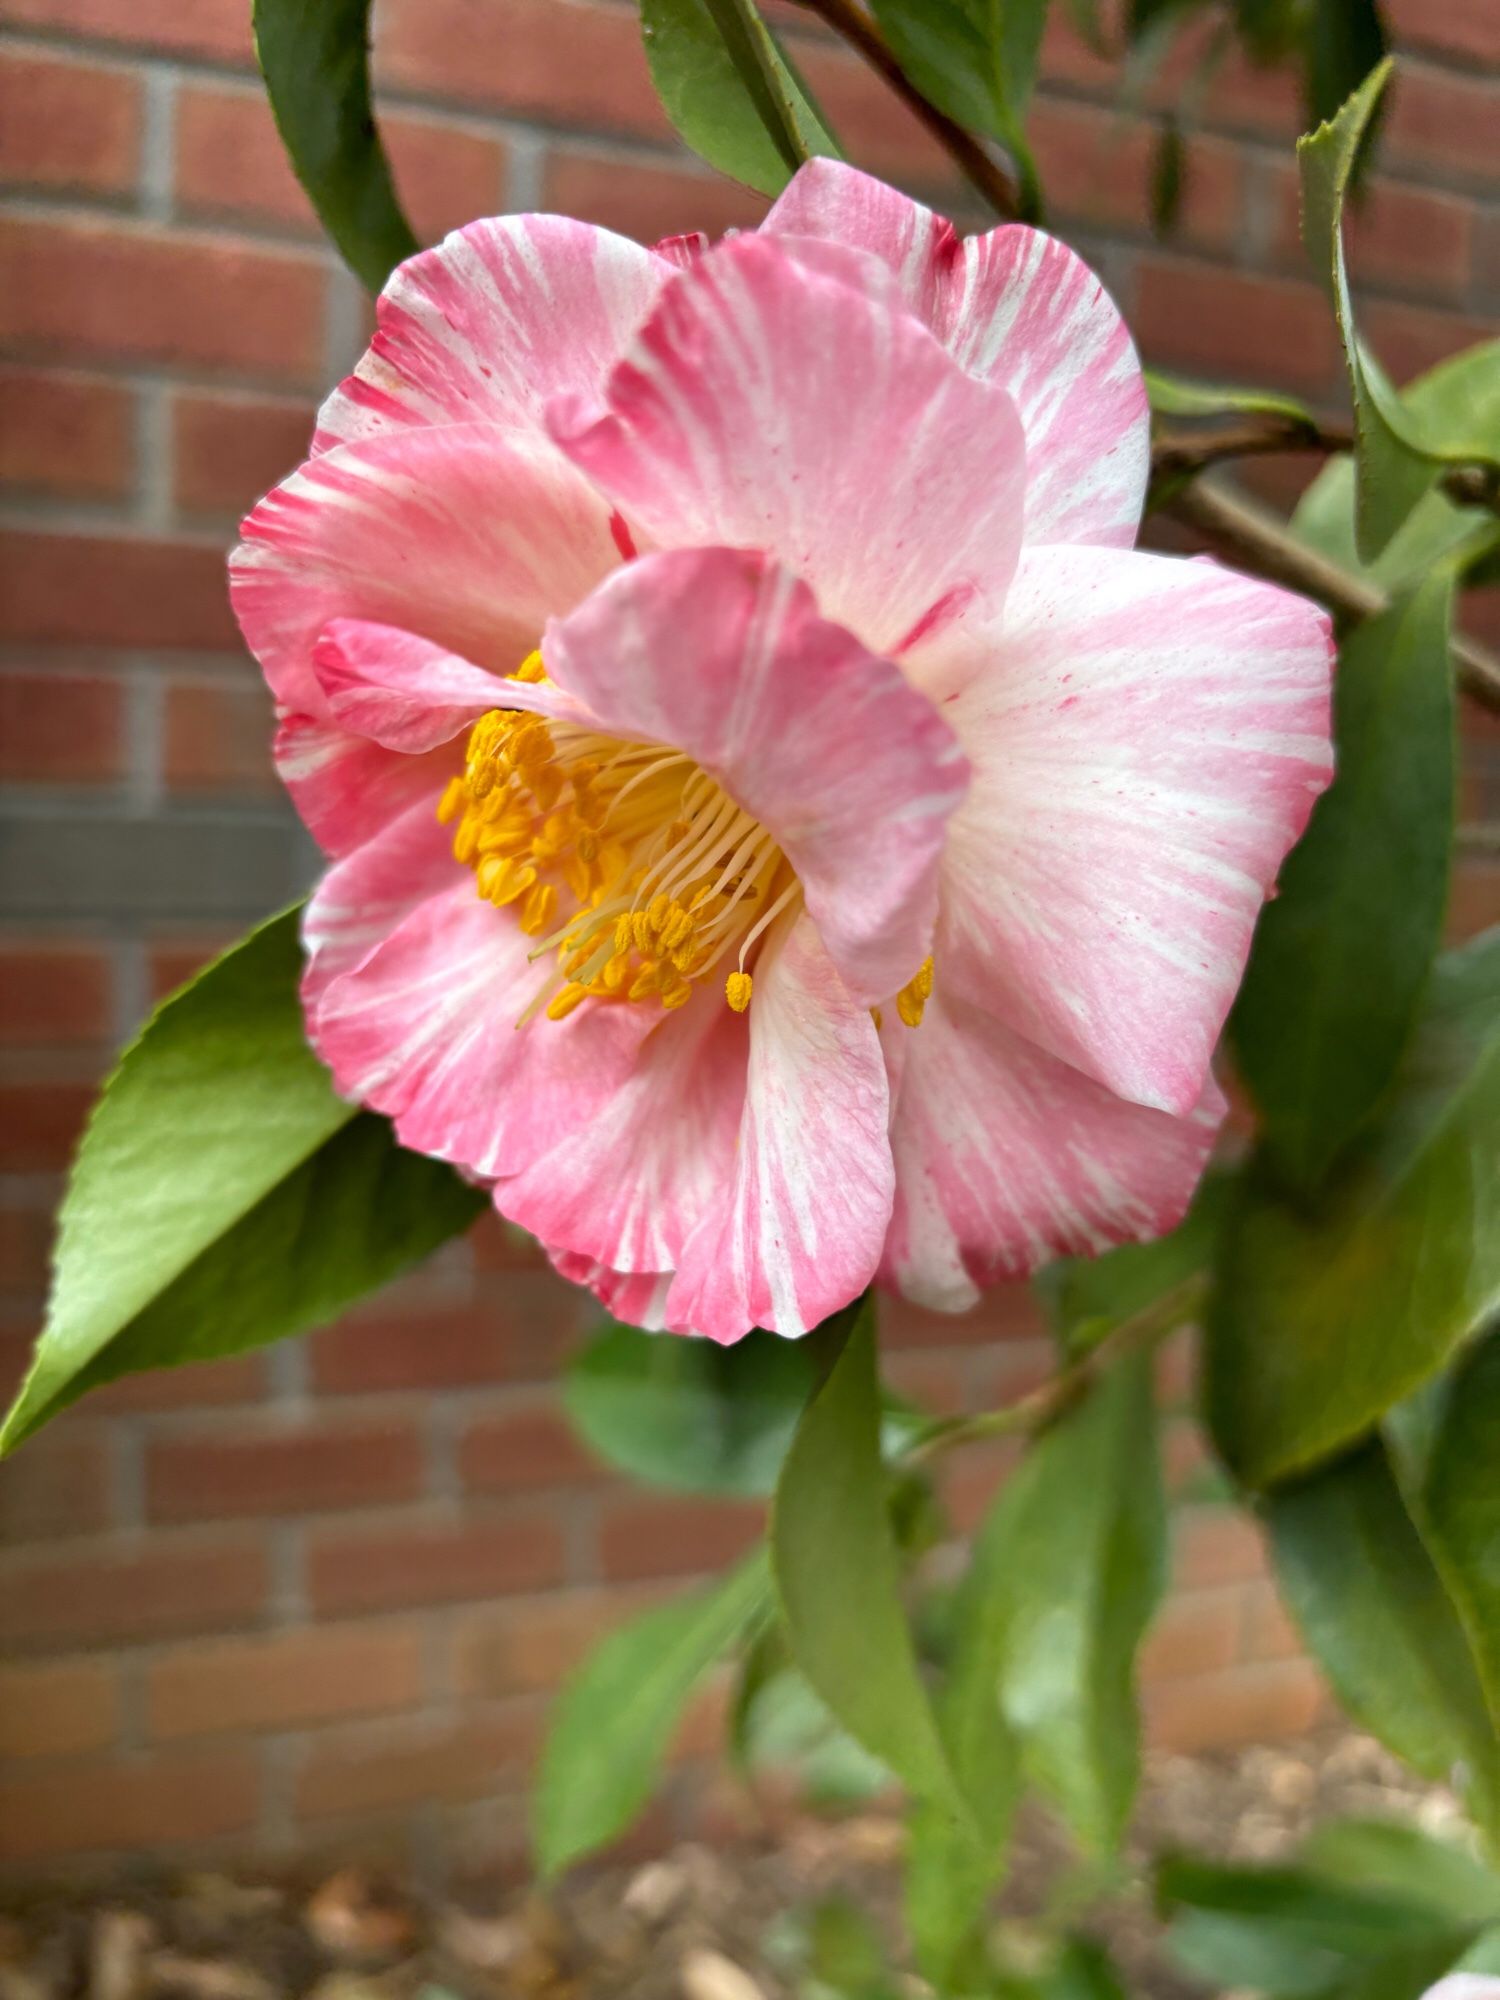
x=530, y=669
x=561, y=1005
x=616, y=972
x=646, y=981
x=657, y=911
x=624, y=931
x=676, y=993
x=877, y=1017
x=677, y=929
x=586, y=845
x=483, y=778
x=546, y=783
x=923, y=980
x=579, y=876
x=640, y=930
x=466, y=840
x=515, y=885
x=536, y=911
x=910, y=1005
x=737, y=989
x=451, y=803
x=492, y=874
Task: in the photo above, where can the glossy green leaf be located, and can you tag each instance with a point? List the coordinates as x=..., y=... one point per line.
x=977, y=61
x=1371, y=1605
x=1323, y=1318
x=223, y=1196
x=838, y=1573
x=1087, y=1298
x=1397, y=455
x=1342, y=955
x=613, y=1722
x=314, y=55
x=1460, y=1504
x=687, y=1414
x=1077, y=1564
x=731, y=91
x=1438, y=531
x=1172, y=396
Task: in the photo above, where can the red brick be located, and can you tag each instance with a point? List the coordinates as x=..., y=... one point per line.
x=172, y=962
x=973, y=1475
x=523, y=1450
x=57, y=1486
x=40, y=1123
x=1411, y=339
x=218, y=737
x=58, y=1710
x=368, y=1770
x=1068, y=58
x=1215, y=1545
x=1256, y=1704
x=1463, y=28
x=367, y=1569
x=199, y=1385
x=1411, y=238
x=531, y=1646
x=52, y=994
x=229, y=450
x=1005, y=1312
x=521, y=1334
x=60, y=729
x=1097, y=168
x=187, y=27
x=108, y=590
x=1442, y=122
x=669, y=1537
x=1474, y=900
x=1197, y=1633
x=87, y=289
x=875, y=127
x=68, y=125
x=275, y=1467
x=115, y=1597
x=284, y=1681
x=574, y=62
x=1229, y=324
x=68, y=436
x=101, y=1806
x=25, y=1248
x=642, y=201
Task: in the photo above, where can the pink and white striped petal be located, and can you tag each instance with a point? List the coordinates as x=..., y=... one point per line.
x=424, y=1029
x=364, y=897
x=346, y=788
x=406, y=694
x=774, y=405
x=722, y=654
x=502, y=315
x=624, y=1187
x=637, y=1297
x=1006, y=1157
x=1021, y=310
x=799, y=1232
x=456, y=535
x=1148, y=737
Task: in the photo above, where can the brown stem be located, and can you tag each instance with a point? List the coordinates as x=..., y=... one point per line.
x=994, y=182
x=1184, y=454
x=1257, y=542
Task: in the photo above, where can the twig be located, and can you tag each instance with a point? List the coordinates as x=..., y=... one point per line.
x=1043, y=1406
x=1252, y=538
x=1184, y=454
x=996, y=183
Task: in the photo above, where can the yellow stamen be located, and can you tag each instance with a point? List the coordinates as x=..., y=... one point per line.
x=737, y=989
x=912, y=1000
x=561, y=1005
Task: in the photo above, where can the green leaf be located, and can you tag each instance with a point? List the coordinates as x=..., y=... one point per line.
x=1171, y=396
x=731, y=91
x=1398, y=1860
x=613, y=1722
x=1371, y=1605
x=1342, y=955
x=223, y=1196
x=1320, y=1320
x=1460, y=1504
x=838, y=1572
x=1088, y=1297
x=787, y=1727
x=1396, y=455
x=314, y=55
x=1464, y=390
x=687, y=1414
x=977, y=61
x=1289, y=1931
x=1078, y=1561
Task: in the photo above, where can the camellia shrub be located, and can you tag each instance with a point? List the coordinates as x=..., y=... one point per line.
x=785, y=842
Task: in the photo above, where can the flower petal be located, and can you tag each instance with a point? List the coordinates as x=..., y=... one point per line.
x=364, y=897
x=409, y=695
x=625, y=1186
x=454, y=534
x=1021, y=310
x=771, y=404
x=722, y=654
x=348, y=789
x=1006, y=1157
x=1148, y=738
x=637, y=1297
x=500, y=316
x=424, y=1029
x=799, y=1233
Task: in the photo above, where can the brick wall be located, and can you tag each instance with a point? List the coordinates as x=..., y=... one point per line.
x=320, y=1593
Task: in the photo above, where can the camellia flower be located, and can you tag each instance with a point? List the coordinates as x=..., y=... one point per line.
x=782, y=834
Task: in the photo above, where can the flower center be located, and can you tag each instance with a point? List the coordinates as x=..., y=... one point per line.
x=627, y=860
